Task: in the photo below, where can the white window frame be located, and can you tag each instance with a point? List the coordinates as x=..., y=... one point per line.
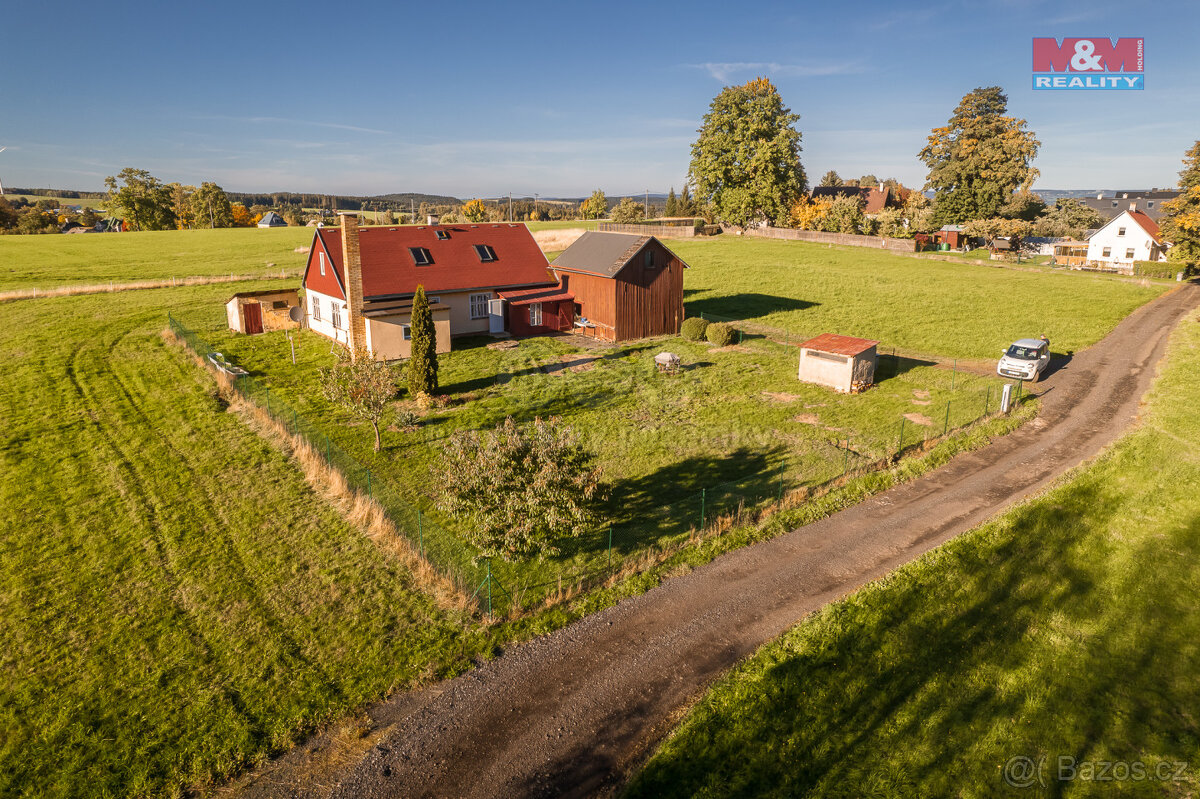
x=1120, y=231
x=1106, y=252
x=406, y=332
x=335, y=315
x=316, y=308
x=1129, y=253
x=535, y=314
x=481, y=303
x=321, y=258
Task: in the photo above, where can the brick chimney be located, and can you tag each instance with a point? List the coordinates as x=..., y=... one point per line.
x=356, y=325
x=1133, y=206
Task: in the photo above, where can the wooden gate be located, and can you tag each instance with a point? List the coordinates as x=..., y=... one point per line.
x=253, y=313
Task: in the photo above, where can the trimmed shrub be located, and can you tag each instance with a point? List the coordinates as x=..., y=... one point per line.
x=693, y=328
x=721, y=334
x=1164, y=269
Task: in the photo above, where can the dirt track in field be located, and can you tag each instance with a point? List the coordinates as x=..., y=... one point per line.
x=572, y=713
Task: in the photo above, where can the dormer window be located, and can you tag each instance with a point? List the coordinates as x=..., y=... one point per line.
x=485, y=253
x=420, y=256
x=443, y=235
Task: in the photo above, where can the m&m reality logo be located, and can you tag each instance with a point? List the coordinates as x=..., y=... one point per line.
x=1094, y=63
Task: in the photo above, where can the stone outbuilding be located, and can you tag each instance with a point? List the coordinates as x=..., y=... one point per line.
x=843, y=363
x=260, y=311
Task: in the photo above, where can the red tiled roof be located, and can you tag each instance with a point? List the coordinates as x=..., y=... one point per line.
x=527, y=296
x=1148, y=225
x=874, y=200
x=388, y=267
x=839, y=345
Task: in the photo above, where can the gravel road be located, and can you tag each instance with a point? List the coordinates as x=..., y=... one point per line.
x=572, y=713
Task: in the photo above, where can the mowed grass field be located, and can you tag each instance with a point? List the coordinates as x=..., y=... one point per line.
x=175, y=601
x=1066, y=628
x=949, y=309
x=50, y=261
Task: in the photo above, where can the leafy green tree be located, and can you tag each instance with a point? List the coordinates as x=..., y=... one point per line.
x=844, y=214
x=521, y=491
x=8, y=216
x=672, y=206
x=831, y=178
x=1068, y=217
x=1024, y=205
x=1181, y=216
x=423, y=363
x=890, y=223
x=475, y=211
x=746, y=161
x=211, y=207
x=869, y=181
x=628, y=212
x=141, y=199
x=361, y=386
x=181, y=205
x=979, y=158
x=595, y=207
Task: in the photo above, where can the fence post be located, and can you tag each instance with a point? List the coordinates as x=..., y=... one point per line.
x=986, y=398
x=489, y=582
x=954, y=374
x=267, y=392
x=846, y=462
x=946, y=426
x=779, y=498
x=328, y=460
x=702, y=509
x=369, y=494
x=295, y=424
x=609, y=549
x=901, y=447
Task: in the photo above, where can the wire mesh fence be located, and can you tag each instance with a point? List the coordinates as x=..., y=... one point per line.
x=646, y=530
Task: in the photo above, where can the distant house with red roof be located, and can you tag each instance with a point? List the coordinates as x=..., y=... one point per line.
x=480, y=278
x=1130, y=236
x=871, y=199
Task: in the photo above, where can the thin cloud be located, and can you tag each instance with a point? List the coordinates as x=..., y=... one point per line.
x=724, y=70
x=286, y=121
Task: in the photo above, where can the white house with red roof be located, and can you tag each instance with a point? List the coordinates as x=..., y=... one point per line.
x=1130, y=236
x=480, y=278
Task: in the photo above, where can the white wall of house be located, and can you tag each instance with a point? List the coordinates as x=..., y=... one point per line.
x=1123, y=241
x=324, y=324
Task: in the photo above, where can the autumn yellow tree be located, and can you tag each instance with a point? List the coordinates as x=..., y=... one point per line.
x=241, y=216
x=809, y=214
x=475, y=211
x=1181, y=216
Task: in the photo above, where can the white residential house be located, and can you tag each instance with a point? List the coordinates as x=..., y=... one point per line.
x=1130, y=236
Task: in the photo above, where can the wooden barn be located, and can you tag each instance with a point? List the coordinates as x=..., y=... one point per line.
x=625, y=286
x=260, y=311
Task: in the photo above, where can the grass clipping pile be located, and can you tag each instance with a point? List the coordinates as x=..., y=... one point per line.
x=357, y=508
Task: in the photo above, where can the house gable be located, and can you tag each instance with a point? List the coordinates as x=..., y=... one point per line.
x=332, y=283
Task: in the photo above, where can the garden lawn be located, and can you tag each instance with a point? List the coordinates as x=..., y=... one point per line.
x=175, y=602
x=50, y=261
x=919, y=304
x=1065, y=628
x=736, y=424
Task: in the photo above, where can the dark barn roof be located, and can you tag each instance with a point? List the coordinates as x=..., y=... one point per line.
x=603, y=254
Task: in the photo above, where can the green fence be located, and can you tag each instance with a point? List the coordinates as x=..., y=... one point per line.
x=650, y=526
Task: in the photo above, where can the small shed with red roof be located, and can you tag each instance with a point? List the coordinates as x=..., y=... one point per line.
x=843, y=363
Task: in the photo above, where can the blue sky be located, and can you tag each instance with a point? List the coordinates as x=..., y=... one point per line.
x=479, y=99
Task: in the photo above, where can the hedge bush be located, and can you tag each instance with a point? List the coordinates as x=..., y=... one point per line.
x=721, y=334
x=693, y=328
x=1165, y=269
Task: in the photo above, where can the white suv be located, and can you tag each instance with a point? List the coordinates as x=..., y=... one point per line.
x=1025, y=359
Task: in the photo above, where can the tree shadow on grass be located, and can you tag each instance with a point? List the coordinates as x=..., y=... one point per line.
x=889, y=366
x=746, y=306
